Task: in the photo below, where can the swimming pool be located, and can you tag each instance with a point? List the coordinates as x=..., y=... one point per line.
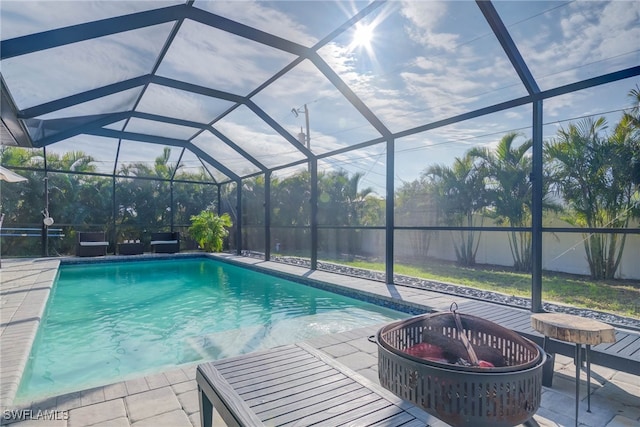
x=109, y=322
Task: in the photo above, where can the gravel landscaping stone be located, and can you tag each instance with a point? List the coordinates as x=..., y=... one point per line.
x=452, y=289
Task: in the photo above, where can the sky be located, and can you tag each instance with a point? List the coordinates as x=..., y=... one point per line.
x=423, y=61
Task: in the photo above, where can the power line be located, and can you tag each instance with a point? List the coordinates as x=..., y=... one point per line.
x=507, y=131
x=512, y=25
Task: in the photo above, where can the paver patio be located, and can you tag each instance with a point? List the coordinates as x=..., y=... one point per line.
x=170, y=398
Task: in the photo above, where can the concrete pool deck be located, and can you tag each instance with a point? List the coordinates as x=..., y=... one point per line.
x=170, y=398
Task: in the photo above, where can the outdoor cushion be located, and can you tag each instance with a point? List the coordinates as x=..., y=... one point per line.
x=94, y=243
x=163, y=242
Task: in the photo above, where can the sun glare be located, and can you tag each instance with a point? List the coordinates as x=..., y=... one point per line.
x=362, y=36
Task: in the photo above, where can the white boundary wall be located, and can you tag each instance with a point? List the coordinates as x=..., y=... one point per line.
x=561, y=252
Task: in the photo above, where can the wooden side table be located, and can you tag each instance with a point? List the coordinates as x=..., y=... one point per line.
x=578, y=330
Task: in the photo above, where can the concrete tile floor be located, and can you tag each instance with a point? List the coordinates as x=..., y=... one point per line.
x=170, y=398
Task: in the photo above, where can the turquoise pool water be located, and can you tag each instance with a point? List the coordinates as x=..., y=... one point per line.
x=112, y=321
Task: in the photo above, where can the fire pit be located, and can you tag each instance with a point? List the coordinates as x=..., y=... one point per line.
x=462, y=369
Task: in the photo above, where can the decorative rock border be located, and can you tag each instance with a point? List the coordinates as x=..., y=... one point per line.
x=449, y=288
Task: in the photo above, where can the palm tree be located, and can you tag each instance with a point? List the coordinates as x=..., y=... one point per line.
x=634, y=113
x=593, y=173
x=632, y=119
x=162, y=167
x=70, y=200
x=461, y=194
x=508, y=170
x=356, y=204
x=356, y=198
x=253, y=209
x=147, y=201
x=342, y=203
x=291, y=210
x=415, y=205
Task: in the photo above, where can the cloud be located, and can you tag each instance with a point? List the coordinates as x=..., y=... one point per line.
x=214, y=58
x=20, y=18
x=428, y=74
x=268, y=148
x=103, y=150
x=224, y=154
x=121, y=101
x=424, y=17
x=145, y=153
x=513, y=115
x=262, y=17
x=47, y=75
x=166, y=101
x=432, y=70
x=332, y=118
x=579, y=41
x=618, y=30
x=152, y=127
x=455, y=84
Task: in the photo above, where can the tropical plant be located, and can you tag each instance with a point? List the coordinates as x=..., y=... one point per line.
x=461, y=195
x=415, y=205
x=355, y=204
x=592, y=172
x=634, y=113
x=210, y=230
x=21, y=202
x=341, y=200
x=343, y=203
x=79, y=198
x=253, y=191
x=509, y=189
x=632, y=119
x=190, y=198
x=291, y=210
x=145, y=204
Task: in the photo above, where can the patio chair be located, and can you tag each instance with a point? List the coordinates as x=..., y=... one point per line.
x=92, y=243
x=165, y=242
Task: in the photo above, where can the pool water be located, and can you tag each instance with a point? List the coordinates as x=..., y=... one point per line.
x=112, y=321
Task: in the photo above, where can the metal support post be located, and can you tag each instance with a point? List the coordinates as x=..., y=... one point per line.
x=389, y=212
x=267, y=216
x=536, y=214
x=239, y=217
x=314, y=212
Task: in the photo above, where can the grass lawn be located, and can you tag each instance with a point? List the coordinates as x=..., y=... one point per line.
x=617, y=297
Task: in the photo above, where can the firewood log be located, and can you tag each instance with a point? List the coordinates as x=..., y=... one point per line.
x=453, y=350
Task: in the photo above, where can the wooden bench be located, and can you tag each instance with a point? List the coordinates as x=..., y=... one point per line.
x=298, y=385
x=91, y=243
x=621, y=355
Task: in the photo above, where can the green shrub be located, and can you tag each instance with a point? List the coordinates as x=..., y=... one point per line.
x=209, y=230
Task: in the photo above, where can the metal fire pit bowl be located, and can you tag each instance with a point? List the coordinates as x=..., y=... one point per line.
x=462, y=395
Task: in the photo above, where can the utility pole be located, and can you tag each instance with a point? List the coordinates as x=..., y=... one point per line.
x=302, y=137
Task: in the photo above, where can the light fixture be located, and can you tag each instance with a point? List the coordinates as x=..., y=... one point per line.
x=47, y=220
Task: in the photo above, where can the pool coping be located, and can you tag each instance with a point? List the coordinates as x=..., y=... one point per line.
x=23, y=299
x=23, y=302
